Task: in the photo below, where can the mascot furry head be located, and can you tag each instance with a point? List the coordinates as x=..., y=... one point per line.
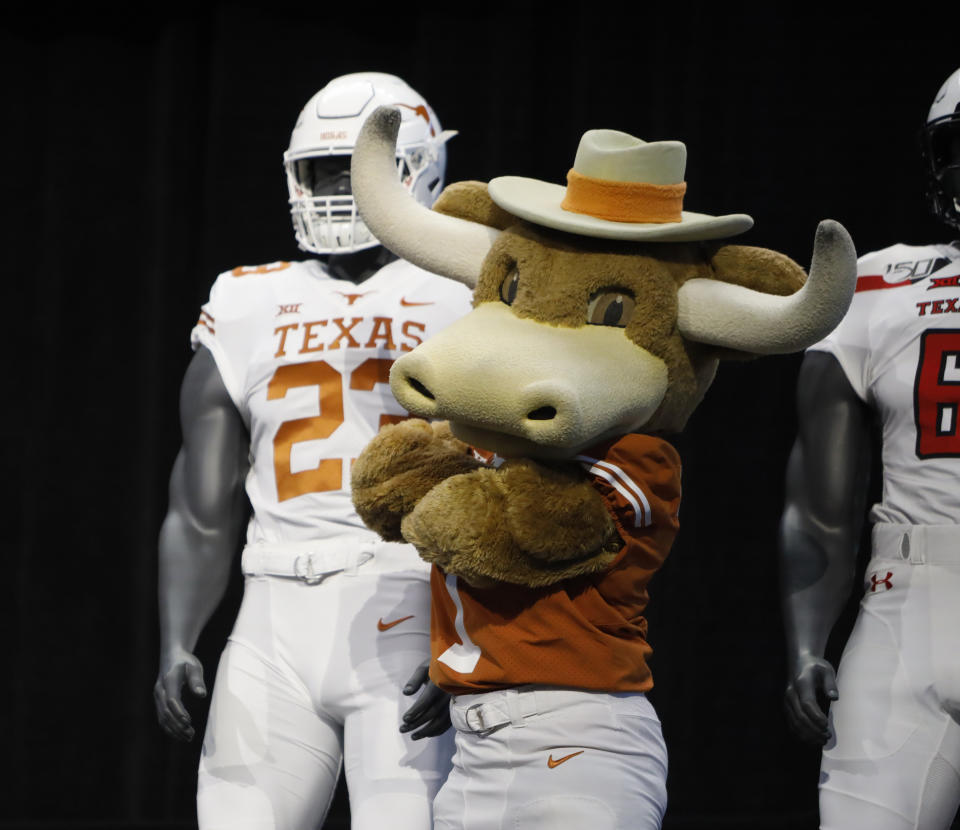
x=601, y=311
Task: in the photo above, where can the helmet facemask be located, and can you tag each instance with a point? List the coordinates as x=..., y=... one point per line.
x=940, y=148
x=325, y=218
x=941, y=152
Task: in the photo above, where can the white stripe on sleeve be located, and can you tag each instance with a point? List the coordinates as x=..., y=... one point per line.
x=624, y=485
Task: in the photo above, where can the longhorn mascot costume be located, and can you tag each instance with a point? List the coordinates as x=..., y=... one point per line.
x=541, y=489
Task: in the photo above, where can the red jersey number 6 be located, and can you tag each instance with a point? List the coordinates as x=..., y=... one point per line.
x=936, y=394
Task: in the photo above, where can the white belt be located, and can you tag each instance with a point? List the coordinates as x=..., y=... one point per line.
x=917, y=544
x=485, y=713
x=310, y=561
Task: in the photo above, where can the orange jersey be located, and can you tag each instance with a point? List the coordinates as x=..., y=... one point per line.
x=588, y=632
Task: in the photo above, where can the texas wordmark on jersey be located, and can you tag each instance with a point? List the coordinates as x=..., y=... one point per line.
x=306, y=360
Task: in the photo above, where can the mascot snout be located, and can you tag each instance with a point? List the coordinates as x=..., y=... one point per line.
x=529, y=381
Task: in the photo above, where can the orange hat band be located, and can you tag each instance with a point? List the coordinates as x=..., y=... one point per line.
x=623, y=201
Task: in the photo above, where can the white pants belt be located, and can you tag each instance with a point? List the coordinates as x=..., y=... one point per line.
x=311, y=562
x=487, y=712
x=917, y=544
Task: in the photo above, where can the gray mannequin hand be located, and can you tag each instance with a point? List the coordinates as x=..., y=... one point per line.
x=814, y=681
x=430, y=715
x=177, y=668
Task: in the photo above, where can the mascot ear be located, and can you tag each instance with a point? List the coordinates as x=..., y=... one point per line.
x=472, y=202
x=758, y=301
x=758, y=269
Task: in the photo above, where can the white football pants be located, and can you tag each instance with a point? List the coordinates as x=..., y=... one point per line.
x=312, y=675
x=894, y=760
x=535, y=758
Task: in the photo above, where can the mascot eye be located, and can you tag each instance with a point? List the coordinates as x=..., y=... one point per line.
x=508, y=288
x=610, y=308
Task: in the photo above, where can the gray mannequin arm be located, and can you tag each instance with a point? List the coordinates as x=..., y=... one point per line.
x=430, y=715
x=199, y=534
x=826, y=490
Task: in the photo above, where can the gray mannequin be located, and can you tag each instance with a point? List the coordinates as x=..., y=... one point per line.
x=891, y=738
x=334, y=625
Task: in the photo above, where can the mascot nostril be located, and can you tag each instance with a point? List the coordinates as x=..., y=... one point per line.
x=420, y=388
x=543, y=413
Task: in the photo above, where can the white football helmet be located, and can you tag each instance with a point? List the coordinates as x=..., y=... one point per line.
x=317, y=163
x=940, y=143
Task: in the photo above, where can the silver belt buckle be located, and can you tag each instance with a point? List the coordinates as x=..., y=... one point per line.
x=482, y=729
x=307, y=575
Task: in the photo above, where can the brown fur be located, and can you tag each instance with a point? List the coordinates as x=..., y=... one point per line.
x=560, y=273
x=490, y=525
x=531, y=523
x=399, y=467
x=523, y=523
x=470, y=201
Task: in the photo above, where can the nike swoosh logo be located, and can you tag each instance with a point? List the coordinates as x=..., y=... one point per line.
x=382, y=626
x=409, y=303
x=551, y=763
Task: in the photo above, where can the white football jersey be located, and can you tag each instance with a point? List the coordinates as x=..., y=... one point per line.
x=306, y=359
x=899, y=346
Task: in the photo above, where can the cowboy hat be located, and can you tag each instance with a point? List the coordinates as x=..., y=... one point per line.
x=620, y=187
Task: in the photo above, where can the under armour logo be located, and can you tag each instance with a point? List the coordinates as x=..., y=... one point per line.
x=288, y=308
x=876, y=582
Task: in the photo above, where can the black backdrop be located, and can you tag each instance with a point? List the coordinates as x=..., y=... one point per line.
x=141, y=155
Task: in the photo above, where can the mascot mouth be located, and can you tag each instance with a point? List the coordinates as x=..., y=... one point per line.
x=511, y=445
x=504, y=444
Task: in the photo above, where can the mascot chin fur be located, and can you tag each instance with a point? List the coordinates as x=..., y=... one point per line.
x=601, y=311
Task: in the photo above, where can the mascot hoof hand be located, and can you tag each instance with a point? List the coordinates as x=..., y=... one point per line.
x=458, y=519
x=402, y=463
x=477, y=526
x=553, y=512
